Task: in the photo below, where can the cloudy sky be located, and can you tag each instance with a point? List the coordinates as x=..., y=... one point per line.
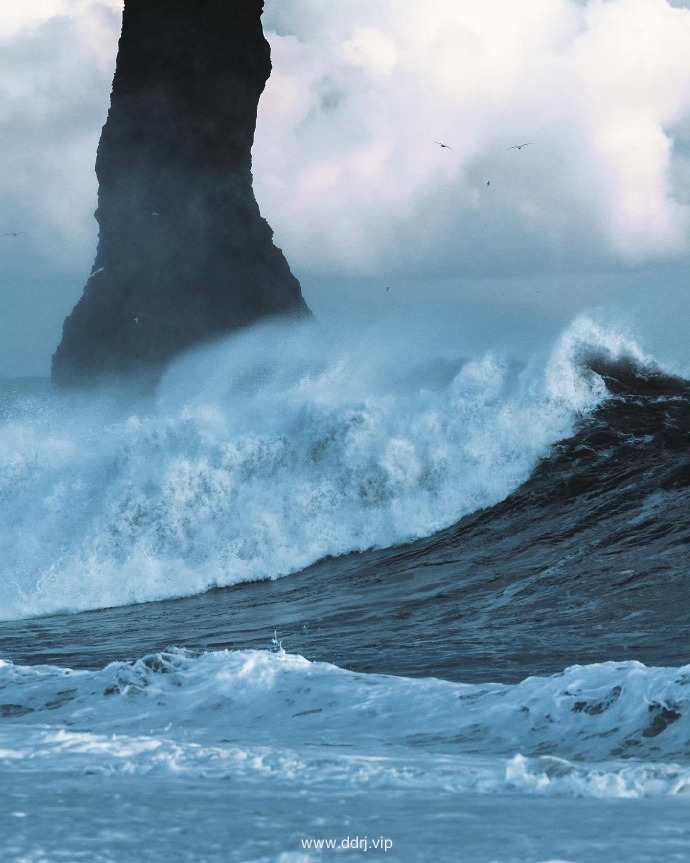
x=593, y=215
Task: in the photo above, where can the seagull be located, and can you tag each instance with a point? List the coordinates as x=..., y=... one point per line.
x=96, y=272
x=13, y=233
x=488, y=182
x=443, y=145
x=136, y=320
x=388, y=288
x=519, y=146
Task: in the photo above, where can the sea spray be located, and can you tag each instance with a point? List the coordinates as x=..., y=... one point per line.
x=268, y=451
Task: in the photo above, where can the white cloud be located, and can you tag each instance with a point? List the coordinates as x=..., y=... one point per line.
x=348, y=173
x=346, y=168
x=345, y=165
x=56, y=65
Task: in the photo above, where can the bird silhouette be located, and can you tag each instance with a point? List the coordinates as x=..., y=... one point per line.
x=14, y=233
x=488, y=182
x=519, y=146
x=445, y=146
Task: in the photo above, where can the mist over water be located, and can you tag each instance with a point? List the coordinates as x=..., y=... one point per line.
x=270, y=450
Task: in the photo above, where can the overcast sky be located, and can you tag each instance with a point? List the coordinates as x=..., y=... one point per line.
x=594, y=213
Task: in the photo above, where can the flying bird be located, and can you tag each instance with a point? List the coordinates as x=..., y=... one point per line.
x=443, y=145
x=13, y=233
x=488, y=182
x=519, y=146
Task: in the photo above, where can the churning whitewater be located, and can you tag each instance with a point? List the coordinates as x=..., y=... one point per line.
x=477, y=649
x=216, y=715
x=269, y=451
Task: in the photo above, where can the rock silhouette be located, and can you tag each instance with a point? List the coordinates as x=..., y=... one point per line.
x=183, y=252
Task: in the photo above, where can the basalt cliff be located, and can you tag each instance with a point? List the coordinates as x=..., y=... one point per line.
x=183, y=252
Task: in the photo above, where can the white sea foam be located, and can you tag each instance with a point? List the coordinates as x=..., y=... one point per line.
x=267, y=452
x=613, y=730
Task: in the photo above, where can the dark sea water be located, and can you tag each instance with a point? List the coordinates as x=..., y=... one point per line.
x=510, y=687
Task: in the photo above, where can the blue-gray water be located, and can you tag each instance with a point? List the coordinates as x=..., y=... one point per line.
x=510, y=687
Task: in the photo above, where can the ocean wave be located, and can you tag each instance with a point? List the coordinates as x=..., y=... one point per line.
x=269, y=451
x=614, y=730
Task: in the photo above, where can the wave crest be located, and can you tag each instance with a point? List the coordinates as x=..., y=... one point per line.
x=269, y=451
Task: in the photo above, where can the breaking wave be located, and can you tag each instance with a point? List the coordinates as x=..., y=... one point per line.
x=269, y=451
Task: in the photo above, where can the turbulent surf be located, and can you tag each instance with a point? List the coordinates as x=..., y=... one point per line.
x=325, y=588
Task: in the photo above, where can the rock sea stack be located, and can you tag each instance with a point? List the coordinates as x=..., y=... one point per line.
x=184, y=254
